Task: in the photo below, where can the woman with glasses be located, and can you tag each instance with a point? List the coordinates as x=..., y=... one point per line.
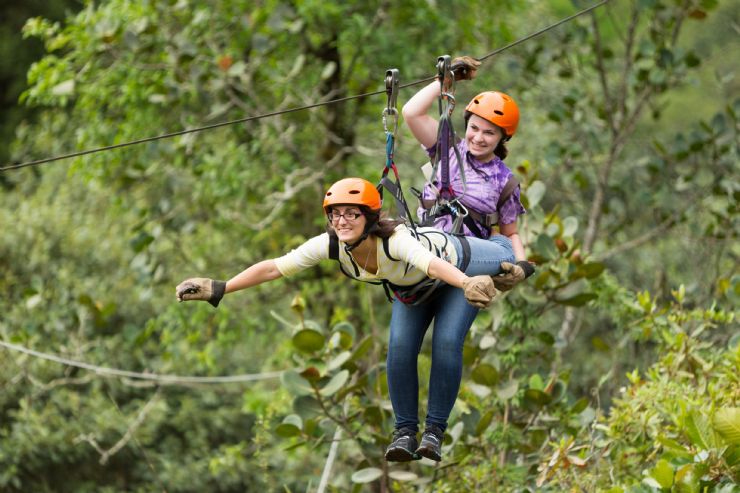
x=372, y=248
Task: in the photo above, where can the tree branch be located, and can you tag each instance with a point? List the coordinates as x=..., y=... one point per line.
x=107, y=454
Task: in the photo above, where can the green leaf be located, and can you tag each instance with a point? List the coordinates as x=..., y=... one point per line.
x=535, y=382
x=535, y=191
x=308, y=340
x=307, y=406
x=295, y=384
x=570, y=226
x=362, y=348
x=672, y=447
x=485, y=374
x=402, y=475
x=339, y=360
x=346, y=333
x=686, y=480
x=579, y=405
x=484, y=422
x=535, y=399
x=336, y=383
x=507, y=390
x=663, y=473
x=367, y=475
x=699, y=431
x=545, y=247
x=290, y=427
x=727, y=423
x=591, y=270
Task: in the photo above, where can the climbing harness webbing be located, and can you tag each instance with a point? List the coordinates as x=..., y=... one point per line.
x=390, y=112
x=415, y=293
x=446, y=198
x=474, y=219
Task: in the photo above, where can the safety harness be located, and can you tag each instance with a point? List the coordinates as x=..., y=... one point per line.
x=474, y=220
x=415, y=293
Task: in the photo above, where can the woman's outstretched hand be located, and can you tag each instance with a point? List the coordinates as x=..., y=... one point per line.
x=479, y=291
x=201, y=289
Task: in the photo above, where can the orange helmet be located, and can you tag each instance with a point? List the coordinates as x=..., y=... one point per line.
x=353, y=191
x=498, y=108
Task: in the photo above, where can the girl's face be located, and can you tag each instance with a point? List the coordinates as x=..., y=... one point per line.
x=348, y=222
x=482, y=138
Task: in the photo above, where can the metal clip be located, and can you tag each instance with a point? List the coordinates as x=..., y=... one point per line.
x=445, y=75
x=457, y=208
x=391, y=89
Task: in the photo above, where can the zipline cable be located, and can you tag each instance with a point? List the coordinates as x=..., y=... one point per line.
x=162, y=379
x=291, y=110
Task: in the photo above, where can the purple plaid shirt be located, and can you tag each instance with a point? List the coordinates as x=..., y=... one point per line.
x=485, y=181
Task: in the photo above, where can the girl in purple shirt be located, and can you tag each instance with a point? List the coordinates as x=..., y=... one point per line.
x=490, y=120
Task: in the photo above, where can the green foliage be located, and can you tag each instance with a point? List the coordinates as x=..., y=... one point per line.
x=673, y=427
x=597, y=374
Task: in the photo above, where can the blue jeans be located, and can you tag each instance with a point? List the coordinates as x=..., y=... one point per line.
x=453, y=316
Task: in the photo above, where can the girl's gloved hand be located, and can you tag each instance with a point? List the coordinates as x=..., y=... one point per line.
x=201, y=289
x=479, y=291
x=464, y=67
x=512, y=274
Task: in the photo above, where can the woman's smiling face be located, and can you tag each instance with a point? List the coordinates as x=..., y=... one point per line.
x=348, y=222
x=482, y=138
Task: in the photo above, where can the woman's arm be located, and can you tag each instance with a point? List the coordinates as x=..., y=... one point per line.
x=511, y=231
x=439, y=269
x=256, y=274
x=212, y=290
x=423, y=126
x=478, y=290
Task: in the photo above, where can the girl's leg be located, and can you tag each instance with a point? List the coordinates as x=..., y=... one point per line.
x=408, y=326
x=454, y=317
x=486, y=255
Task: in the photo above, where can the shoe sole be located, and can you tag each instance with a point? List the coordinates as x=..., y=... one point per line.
x=398, y=454
x=429, y=454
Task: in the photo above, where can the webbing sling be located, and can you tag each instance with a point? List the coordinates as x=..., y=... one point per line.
x=390, y=115
x=473, y=218
x=410, y=295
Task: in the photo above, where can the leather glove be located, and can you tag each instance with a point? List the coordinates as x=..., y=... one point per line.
x=512, y=274
x=201, y=288
x=479, y=291
x=464, y=67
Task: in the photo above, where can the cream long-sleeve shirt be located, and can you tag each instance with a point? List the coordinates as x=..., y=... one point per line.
x=413, y=256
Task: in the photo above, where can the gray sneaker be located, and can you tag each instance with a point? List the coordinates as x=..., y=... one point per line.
x=402, y=447
x=431, y=443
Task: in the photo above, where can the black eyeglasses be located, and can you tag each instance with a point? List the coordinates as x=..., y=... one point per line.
x=347, y=215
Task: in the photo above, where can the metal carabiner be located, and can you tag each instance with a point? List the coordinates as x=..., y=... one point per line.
x=391, y=89
x=445, y=75
x=457, y=206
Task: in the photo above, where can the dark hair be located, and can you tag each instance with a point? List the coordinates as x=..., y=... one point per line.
x=378, y=223
x=501, y=151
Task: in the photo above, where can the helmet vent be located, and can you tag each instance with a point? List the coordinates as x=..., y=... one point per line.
x=476, y=101
x=499, y=112
x=354, y=192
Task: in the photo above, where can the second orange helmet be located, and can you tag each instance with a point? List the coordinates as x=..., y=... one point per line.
x=498, y=108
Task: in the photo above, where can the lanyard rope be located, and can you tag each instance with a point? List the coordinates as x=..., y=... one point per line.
x=446, y=198
x=391, y=113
